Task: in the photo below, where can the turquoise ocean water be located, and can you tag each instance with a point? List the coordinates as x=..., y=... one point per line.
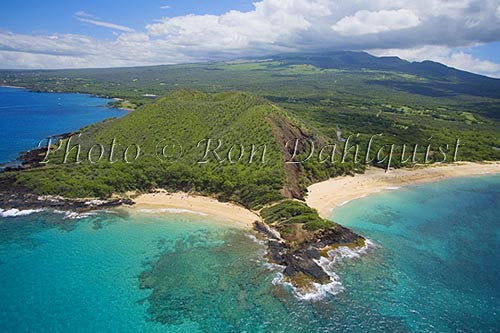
x=28, y=117
x=435, y=269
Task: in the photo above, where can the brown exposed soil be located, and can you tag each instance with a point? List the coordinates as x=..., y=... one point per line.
x=287, y=132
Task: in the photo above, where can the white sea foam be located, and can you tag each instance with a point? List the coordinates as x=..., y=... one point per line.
x=319, y=291
x=360, y=197
x=13, y=212
x=255, y=239
x=343, y=252
x=77, y=216
x=262, y=254
x=278, y=280
x=392, y=188
x=316, y=291
x=172, y=211
x=107, y=211
x=71, y=215
x=273, y=266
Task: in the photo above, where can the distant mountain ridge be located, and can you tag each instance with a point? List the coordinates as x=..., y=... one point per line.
x=444, y=80
x=322, y=98
x=354, y=91
x=351, y=60
x=465, y=82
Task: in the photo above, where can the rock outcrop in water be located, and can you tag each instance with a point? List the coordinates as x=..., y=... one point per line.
x=300, y=259
x=296, y=233
x=13, y=195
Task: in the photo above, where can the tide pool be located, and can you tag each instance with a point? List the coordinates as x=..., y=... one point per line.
x=27, y=117
x=435, y=270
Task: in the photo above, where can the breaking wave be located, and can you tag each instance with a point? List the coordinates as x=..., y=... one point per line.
x=14, y=212
x=316, y=291
x=319, y=291
x=71, y=215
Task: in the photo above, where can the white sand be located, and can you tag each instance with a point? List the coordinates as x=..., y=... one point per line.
x=324, y=196
x=327, y=195
x=190, y=204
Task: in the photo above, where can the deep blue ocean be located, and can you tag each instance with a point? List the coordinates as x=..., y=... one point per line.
x=27, y=117
x=435, y=268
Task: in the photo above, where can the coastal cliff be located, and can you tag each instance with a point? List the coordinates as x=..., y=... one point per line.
x=297, y=238
x=256, y=139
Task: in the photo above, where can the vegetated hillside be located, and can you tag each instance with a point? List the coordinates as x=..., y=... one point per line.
x=351, y=91
x=188, y=118
x=427, y=78
x=356, y=61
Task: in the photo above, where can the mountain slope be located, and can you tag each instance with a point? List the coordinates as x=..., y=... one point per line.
x=196, y=122
x=104, y=159
x=350, y=60
x=351, y=91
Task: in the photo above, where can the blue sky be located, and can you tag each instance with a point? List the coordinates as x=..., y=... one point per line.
x=59, y=34
x=56, y=16
x=490, y=51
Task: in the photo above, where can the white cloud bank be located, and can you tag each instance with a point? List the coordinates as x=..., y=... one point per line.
x=427, y=29
x=366, y=22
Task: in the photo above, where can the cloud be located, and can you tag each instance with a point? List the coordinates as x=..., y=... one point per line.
x=452, y=57
x=464, y=61
x=82, y=13
x=165, y=7
x=300, y=25
x=365, y=22
x=273, y=26
x=87, y=18
x=270, y=25
x=77, y=51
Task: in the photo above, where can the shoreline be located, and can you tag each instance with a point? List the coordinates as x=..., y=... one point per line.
x=323, y=196
x=335, y=192
x=161, y=202
x=70, y=92
x=13, y=87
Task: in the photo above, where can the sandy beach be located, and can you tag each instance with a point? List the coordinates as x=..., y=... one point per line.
x=195, y=205
x=327, y=195
x=324, y=196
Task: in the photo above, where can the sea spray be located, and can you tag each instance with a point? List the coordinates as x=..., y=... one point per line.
x=14, y=212
x=72, y=215
x=342, y=252
x=318, y=291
